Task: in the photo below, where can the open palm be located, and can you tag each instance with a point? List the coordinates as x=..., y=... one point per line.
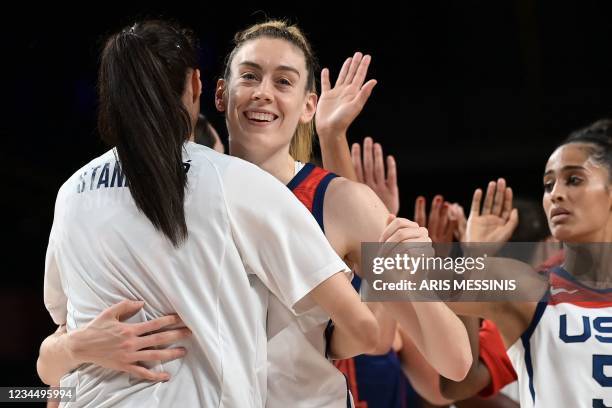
x=340, y=105
x=497, y=220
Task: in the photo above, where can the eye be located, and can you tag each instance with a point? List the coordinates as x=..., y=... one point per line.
x=548, y=186
x=249, y=76
x=284, y=82
x=573, y=181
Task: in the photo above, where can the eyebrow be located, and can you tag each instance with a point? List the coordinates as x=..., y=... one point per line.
x=278, y=68
x=566, y=168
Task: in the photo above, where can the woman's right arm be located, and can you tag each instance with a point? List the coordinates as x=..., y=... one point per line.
x=110, y=343
x=356, y=330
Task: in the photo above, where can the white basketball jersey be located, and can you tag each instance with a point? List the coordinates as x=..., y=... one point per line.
x=564, y=358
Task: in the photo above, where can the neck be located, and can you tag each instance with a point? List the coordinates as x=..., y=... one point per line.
x=279, y=164
x=590, y=263
x=603, y=234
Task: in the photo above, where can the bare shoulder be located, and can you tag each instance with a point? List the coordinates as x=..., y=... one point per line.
x=350, y=197
x=353, y=214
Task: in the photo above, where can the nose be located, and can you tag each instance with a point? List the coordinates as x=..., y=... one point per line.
x=558, y=193
x=263, y=92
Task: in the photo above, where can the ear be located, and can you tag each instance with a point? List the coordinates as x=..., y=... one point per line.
x=220, y=95
x=310, y=108
x=196, y=85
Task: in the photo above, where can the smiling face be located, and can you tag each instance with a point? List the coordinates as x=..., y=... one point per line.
x=577, y=198
x=265, y=97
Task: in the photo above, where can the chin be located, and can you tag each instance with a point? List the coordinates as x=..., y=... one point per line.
x=563, y=233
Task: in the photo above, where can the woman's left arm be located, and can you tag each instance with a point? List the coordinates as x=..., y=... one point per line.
x=356, y=213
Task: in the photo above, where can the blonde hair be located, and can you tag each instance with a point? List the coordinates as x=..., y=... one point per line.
x=302, y=140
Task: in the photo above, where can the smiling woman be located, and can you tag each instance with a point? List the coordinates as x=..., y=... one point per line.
x=269, y=98
x=280, y=68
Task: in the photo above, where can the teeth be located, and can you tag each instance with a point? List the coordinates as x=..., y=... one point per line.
x=267, y=117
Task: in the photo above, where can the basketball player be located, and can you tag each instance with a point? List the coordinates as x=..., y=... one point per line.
x=187, y=230
x=559, y=347
x=268, y=98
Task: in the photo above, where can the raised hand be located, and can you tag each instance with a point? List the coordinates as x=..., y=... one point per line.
x=456, y=213
x=442, y=222
x=110, y=343
x=339, y=106
x=371, y=171
x=497, y=220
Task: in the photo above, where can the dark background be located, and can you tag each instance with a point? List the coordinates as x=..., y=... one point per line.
x=468, y=91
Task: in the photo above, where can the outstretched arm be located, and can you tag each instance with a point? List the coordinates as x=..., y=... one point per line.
x=493, y=223
x=436, y=330
x=423, y=377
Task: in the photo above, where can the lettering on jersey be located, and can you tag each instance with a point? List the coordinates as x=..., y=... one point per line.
x=103, y=180
x=118, y=176
x=93, y=179
x=599, y=363
x=599, y=403
x=81, y=185
x=93, y=176
x=601, y=326
x=100, y=178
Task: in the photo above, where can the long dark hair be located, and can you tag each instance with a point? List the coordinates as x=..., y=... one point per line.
x=141, y=82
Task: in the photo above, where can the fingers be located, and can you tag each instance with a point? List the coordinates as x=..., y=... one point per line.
x=507, y=208
x=364, y=93
x=156, y=324
x=145, y=374
x=391, y=174
x=498, y=201
x=352, y=71
x=159, y=355
x=451, y=229
x=343, y=71
x=124, y=309
x=356, y=158
x=161, y=338
x=433, y=223
x=443, y=222
x=513, y=219
x=325, y=84
x=368, y=162
x=461, y=222
x=419, y=234
x=379, y=165
x=488, y=201
x=475, y=208
x=510, y=226
x=396, y=224
x=362, y=71
x=419, y=211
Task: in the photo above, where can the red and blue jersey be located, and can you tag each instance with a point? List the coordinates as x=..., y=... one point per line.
x=374, y=381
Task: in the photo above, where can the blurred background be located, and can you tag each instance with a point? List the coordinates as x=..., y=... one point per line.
x=468, y=91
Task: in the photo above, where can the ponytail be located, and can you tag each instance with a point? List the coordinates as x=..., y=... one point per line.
x=141, y=82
